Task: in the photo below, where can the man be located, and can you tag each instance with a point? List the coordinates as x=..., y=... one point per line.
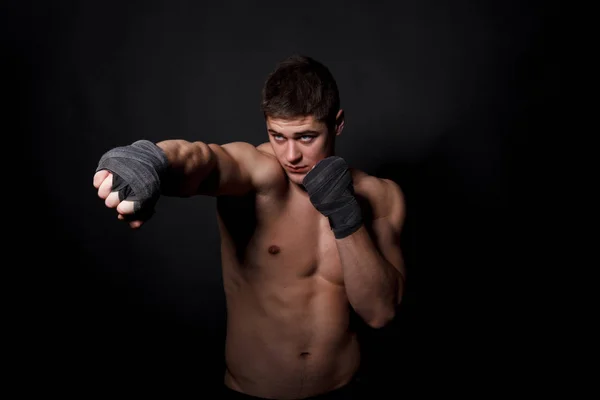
x=305, y=239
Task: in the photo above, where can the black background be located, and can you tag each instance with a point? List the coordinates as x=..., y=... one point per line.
x=442, y=97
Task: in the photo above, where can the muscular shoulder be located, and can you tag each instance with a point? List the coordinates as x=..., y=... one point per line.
x=259, y=163
x=384, y=196
x=267, y=149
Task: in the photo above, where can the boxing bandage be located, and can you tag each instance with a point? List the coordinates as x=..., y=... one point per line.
x=137, y=171
x=330, y=189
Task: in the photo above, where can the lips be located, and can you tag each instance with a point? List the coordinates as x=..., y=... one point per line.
x=297, y=170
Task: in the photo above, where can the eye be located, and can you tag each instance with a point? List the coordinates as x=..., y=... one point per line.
x=278, y=138
x=306, y=138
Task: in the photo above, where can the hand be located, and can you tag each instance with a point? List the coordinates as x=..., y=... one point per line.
x=330, y=189
x=103, y=181
x=129, y=179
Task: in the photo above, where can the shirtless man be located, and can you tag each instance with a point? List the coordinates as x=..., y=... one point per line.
x=305, y=238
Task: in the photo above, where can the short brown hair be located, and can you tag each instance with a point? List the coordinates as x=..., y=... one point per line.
x=301, y=86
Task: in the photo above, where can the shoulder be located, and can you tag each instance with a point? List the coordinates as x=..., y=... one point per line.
x=259, y=162
x=245, y=151
x=267, y=149
x=385, y=197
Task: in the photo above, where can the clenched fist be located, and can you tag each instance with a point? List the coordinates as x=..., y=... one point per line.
x=129, y=179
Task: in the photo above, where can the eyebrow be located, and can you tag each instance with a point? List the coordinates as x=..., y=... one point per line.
x=301, y=133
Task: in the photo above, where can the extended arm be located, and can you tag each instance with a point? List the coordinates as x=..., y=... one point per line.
x=132, y=178
x=209, y=169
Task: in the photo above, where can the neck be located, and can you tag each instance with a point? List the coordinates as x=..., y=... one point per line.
x=297, y=187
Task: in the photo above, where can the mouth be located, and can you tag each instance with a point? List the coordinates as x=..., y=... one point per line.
x=297, y=170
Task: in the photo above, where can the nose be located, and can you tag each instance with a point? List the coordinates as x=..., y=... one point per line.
x=292, y=153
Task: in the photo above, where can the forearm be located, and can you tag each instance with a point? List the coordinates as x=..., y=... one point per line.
x=189, y=164
x=372, y=283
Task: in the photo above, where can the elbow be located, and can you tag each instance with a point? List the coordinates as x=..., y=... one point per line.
x=386, y=312
x=382, y=318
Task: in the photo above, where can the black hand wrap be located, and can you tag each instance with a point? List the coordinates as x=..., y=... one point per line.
x=137, y=172
x=329, y=186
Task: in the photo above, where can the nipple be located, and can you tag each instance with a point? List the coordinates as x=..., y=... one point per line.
x=274, y=249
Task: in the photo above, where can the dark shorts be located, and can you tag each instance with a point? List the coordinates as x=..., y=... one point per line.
x=353, y=390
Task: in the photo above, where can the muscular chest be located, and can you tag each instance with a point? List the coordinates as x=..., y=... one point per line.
x=293, y=241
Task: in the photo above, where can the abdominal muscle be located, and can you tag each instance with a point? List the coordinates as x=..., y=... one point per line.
x=288, y=339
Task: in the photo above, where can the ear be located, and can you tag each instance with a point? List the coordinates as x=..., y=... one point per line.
x=339, y=122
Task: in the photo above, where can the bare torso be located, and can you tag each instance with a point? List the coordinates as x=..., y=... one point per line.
x=288, y=333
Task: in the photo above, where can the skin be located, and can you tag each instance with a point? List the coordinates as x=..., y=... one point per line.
x=289, y=284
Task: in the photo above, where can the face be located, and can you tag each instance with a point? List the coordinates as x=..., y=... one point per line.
x=300, y=143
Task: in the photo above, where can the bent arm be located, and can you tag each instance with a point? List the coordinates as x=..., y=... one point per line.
x=209, y=169
x=373, y=265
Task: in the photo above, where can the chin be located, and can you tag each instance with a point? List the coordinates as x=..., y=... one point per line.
x=295, y=178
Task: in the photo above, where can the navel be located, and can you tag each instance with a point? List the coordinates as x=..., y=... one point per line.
x=274, y=249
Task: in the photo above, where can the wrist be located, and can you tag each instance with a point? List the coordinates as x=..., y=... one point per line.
x=346, y=220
